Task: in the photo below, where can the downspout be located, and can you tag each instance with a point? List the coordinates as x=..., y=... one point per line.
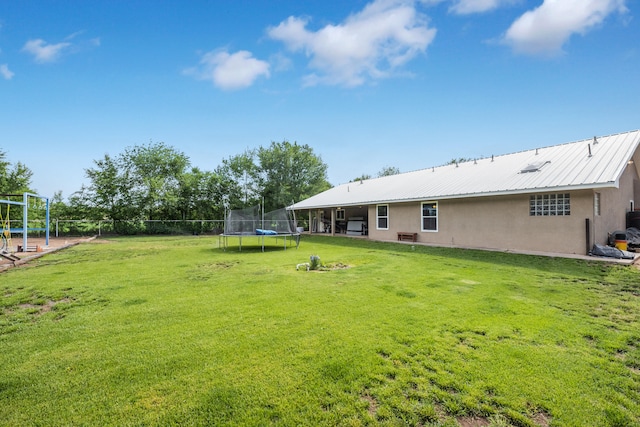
x=587, y=234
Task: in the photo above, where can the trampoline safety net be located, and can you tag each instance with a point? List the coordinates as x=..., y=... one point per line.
x=249, y=222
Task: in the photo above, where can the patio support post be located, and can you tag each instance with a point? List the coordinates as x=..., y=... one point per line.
x=319, y=223
x=333, y=221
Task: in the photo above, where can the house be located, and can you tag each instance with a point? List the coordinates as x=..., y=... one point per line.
x=560, y=199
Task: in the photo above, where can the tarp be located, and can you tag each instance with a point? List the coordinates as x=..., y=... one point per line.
x=610, y=252
x=633, y=236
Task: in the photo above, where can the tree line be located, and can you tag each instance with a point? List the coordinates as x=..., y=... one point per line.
x=156, y=181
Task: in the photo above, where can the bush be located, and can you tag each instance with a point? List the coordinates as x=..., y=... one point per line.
x=315, y=262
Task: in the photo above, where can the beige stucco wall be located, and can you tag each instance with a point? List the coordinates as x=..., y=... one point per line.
x=615, y=203
x=504, y=223
x=501, y=222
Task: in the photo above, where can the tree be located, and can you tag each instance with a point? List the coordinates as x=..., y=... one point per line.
x=388, y=170
x=201, y=195
x=14, y=178
x=290, y=173
x=154, y=182
x=362, y=177
x=140, y=183
x=108, y=192
x=240, y=180
x=459, y=160
x=59, y=209
x=154, y=172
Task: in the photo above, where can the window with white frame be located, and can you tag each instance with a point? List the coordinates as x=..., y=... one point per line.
x=430, y=216
x=550, y=205
x=382, y=217
x=340, y=215
x=596, y=204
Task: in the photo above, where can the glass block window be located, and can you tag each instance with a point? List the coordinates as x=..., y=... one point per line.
x=550, y=205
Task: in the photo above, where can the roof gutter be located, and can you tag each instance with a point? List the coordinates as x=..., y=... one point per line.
x=564, y=188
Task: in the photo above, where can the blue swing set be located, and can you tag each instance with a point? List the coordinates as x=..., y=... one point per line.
x=5, y=222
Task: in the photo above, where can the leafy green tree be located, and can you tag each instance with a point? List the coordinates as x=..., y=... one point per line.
x=290, y=172
x=14, y=179
x=362, y=177
x=154, y=182
x=82, y=205
x=459, y=160
x=388, y=170
x=58, y=209
x=143, y=182
x=240, y=180
x=108, y=192
x=153, y=172
x=201, y=195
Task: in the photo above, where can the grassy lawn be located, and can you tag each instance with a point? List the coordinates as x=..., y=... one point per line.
x=174, y=331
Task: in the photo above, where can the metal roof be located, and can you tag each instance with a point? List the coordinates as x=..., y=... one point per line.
x=591, y=163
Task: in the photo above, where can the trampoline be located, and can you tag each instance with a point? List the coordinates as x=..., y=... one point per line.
x=253, y=222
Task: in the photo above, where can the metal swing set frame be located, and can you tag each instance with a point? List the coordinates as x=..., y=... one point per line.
x=5, y=221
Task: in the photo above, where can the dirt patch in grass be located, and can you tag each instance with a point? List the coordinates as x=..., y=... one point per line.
x=325, y=267
x=634, y=370
x=373, y=404
x=333, y=266
x=47, y=306
x=15, y=315
x=473, y=421
x=542, y=419
x=337, y=266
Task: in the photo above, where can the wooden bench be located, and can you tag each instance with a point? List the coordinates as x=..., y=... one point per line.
x=409, y=237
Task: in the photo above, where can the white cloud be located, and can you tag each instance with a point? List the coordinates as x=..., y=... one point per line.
x=44, y=52
x=230, y=71
x=5, y=72
x=464, y=7
x=369, y=44
x=544, y=30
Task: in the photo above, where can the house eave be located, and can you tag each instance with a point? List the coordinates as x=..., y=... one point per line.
x=557, y=189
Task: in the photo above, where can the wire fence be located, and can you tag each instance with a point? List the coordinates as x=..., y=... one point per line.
x=83, y=227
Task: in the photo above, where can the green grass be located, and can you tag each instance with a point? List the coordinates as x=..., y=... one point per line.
x=174, y=331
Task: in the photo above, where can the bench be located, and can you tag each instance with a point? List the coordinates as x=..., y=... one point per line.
x=409, y=237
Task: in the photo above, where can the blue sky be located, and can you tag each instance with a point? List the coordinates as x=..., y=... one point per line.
x=366, y=84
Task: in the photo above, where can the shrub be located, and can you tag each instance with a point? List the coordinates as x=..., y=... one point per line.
x=315, y=262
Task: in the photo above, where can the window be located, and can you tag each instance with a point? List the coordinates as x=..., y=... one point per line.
x=340, y=215
x=550, y=205
x=382, y=217
x=430, y=216
x=596, y=204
